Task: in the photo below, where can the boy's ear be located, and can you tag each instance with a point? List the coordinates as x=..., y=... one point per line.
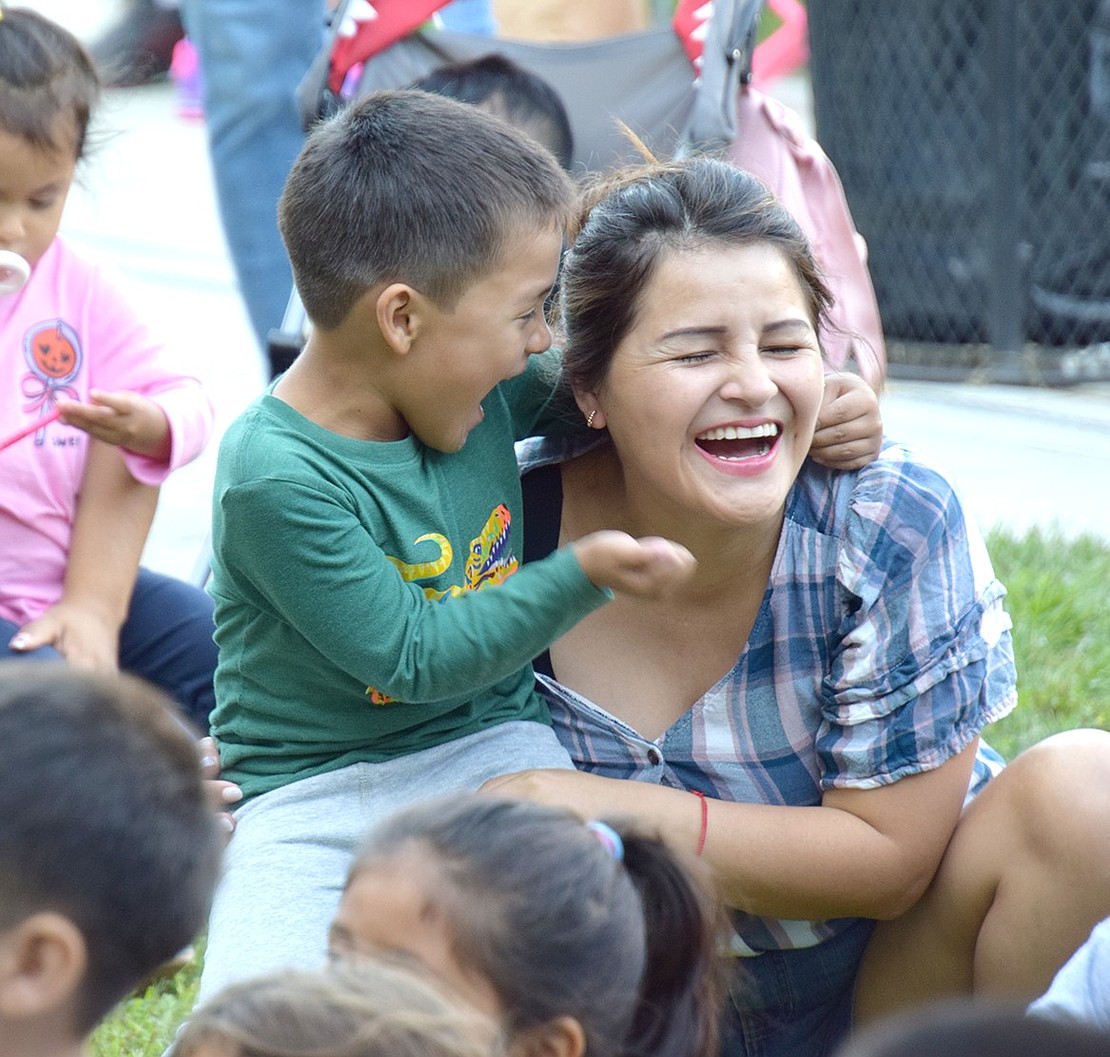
x=400, y=313
x=42, y=963
x=561, y=1037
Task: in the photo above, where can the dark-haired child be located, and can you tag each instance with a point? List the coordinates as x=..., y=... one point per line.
x=583, y=939
x=108, y=849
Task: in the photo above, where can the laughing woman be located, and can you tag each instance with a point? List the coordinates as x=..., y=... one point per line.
x=822, y=683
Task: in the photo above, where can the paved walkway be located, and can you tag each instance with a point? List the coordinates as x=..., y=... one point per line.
x=1021, y=457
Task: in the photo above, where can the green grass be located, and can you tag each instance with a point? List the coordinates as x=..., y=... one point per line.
x=1058, y=602
x=143, y=1026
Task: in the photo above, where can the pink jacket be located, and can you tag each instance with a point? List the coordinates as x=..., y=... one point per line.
x=67, y=331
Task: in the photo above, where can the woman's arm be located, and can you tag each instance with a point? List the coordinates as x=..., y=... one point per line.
x=861, y=853
x=114, y=514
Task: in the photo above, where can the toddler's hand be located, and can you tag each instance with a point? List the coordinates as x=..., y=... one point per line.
x=647, y=568
x=81, y=635
x=124, y=419
x=849, y=427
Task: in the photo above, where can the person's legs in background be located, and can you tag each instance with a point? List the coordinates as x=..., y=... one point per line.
x=253, y=54
x=469, y=16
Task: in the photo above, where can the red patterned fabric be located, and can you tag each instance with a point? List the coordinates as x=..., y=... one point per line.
x=370, y=26
x=691, y=22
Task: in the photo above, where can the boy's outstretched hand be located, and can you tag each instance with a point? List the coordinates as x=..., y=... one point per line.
x=648, y=568
x=849, y=427
x=124, y=419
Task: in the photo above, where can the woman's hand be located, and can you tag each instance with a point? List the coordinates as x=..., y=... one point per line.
x=584, y=794
x=849, y=427
x=673, y=814
x=221, y=794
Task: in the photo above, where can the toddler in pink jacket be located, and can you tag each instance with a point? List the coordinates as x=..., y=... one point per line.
x=93, y=415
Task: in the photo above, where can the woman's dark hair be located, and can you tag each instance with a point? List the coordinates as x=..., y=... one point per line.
x=45, y=74
x=560, y=926
x=626, y=223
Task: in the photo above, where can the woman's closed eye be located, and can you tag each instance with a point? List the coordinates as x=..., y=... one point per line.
x=692, y=357
x=786, y=349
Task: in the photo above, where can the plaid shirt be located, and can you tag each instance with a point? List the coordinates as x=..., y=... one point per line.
x=881, y=649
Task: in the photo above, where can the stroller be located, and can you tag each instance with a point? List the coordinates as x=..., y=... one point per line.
x=681, y=87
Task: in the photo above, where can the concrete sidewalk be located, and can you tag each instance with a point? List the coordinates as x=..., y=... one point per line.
x=1021, y=457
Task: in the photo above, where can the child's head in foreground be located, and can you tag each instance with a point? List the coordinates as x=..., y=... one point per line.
x=366, y=1008
x=48, y=88
x=109, y=850
x=578, y=938
x=410, y=187
x=974, y=1028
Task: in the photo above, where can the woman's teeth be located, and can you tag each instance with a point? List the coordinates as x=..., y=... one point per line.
x=736, y=443
x=764, y=429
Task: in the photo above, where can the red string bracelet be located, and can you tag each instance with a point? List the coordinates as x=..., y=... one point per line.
x=704, y=819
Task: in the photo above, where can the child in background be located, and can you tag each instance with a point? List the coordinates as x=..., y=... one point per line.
x=368, y=1009
x=582, y=938
x=78, y=491
x=108, y=849
x=514, y=94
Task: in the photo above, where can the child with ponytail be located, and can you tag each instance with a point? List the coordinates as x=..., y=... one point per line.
x=583, y=939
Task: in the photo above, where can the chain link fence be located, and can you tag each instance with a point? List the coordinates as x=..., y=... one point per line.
x=973, y=141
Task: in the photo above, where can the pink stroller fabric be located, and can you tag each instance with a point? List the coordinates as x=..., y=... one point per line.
x=771, y=143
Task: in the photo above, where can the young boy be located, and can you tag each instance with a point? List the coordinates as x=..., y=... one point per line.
x=363, y=505
x=108, y=849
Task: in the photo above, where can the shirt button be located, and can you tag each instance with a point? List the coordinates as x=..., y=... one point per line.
x=653, y=756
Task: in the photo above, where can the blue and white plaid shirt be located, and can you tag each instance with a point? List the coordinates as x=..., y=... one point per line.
x=881, y=649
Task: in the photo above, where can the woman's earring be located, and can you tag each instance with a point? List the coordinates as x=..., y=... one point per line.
x=590, y=419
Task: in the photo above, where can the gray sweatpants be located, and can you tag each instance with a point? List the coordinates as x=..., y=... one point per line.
x=287, y=861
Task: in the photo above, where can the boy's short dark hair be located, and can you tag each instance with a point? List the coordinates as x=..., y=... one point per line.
x=405, y=186
x=104, y=821
x=502, y=87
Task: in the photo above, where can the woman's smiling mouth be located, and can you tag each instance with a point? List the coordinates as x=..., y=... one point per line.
x=739, y=443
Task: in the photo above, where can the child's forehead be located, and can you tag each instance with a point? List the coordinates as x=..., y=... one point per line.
x=55, y=135
x=530, y=256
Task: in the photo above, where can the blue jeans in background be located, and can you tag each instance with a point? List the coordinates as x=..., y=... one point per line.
x=166, y=639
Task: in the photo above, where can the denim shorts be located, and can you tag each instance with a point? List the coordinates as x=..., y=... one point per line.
x=794, y=1003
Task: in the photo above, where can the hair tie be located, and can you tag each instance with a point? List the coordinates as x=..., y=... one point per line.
x=608, y=837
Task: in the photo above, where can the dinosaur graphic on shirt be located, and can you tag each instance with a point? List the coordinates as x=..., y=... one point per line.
x=488, y=562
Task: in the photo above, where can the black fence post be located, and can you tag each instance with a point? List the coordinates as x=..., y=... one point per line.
x=1006, y=282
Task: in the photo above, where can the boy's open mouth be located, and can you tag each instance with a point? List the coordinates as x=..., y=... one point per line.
x=739, y=442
